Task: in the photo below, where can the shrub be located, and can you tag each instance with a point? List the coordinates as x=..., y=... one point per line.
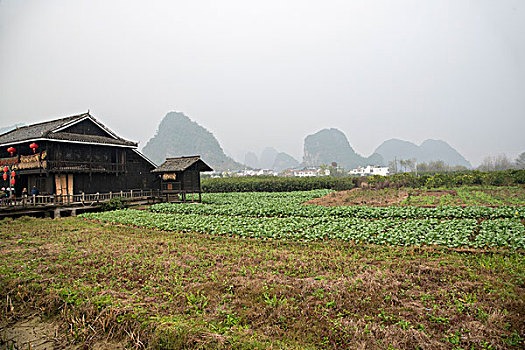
x=113, y=204
x=275, y=184
x=289, y=184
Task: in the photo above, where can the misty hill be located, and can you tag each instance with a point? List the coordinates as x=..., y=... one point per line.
x=178, y=135
x=331, y=145
x=268, y=158
x=429, y=150
x=271, y=159
x=251, y=160
x=284, y=161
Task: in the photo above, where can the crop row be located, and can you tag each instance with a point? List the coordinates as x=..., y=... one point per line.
x=288, y=205
x=451, y=233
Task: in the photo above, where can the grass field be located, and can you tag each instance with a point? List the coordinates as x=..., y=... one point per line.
x=153, y=288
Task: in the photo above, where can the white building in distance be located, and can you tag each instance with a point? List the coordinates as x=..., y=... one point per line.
x=306, y=172
x=257, y=172
x=370, y=170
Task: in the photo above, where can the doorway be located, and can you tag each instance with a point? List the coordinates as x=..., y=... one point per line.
x=64, y=187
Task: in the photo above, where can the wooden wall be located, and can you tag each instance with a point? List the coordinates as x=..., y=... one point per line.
x=86, y=127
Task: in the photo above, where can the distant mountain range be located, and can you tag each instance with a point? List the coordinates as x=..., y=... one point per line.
x=428, y=151
x=177, y=135
x=270, y=159
x=331, y=145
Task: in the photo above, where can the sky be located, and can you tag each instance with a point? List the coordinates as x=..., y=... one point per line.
x=269, y=73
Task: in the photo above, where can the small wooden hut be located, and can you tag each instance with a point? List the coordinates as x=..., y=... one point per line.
x=180, y=177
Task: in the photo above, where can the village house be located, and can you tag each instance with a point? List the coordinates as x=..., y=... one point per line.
x=73, y=155
x=305, y=172
x=369, y=170
x=257, y=172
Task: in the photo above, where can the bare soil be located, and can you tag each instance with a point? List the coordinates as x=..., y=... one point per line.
x=360, y=196
x=33, y=332
x=29, y=333
x=402, y=197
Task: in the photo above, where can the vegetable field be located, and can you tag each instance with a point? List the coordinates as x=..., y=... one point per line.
x=263, y=270
x=281, y=216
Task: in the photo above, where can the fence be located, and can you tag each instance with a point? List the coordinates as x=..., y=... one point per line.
x=72, y=199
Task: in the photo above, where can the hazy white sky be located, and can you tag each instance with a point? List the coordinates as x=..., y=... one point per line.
x=268, y=73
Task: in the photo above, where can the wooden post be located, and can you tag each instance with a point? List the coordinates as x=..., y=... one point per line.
x=131, y=193
x=83, y=197
x=110, y=194
x=34, y=200
x=120, y=193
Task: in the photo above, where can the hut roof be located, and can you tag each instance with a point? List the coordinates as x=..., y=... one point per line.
x=50, y=130
x=180, y=164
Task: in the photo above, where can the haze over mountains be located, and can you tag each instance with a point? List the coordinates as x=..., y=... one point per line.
x=428, y=151
x=270, y=158
x=178, y=135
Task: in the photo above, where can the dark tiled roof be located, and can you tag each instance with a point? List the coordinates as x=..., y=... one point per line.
x=90, y=138
x=181, y=164
x=45, y=130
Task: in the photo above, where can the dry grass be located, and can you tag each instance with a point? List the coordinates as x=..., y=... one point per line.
x=154, y=289
x=462, y=196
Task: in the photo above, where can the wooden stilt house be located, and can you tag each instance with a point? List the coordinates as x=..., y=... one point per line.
x=74, y=155
x=180, y=178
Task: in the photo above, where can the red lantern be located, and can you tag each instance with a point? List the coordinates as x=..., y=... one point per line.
x=11, y=150
x=6, y=169
x=5, y=176
x=13, y=181
x=33, y=146
x=13, y=174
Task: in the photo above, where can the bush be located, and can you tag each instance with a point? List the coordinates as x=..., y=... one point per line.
x=455, y=179
x=289, y=184
x=113, y=204
x=275, y=184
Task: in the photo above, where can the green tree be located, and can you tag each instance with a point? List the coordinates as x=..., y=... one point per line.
x=520, y=161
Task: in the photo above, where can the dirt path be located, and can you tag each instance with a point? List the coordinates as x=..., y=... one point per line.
x=36, y=334
x=29, y=333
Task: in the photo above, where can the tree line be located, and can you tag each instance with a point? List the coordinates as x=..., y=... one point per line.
x=287, y=184
x=490, y=163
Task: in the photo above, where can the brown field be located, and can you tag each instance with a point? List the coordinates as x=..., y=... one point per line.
x=463, y=196
x=86, y=285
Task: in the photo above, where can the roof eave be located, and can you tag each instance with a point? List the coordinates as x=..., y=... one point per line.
x=134, y=145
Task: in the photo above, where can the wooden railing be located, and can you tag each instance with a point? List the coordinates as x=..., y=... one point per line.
x=86, y=166
x=76, y=199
